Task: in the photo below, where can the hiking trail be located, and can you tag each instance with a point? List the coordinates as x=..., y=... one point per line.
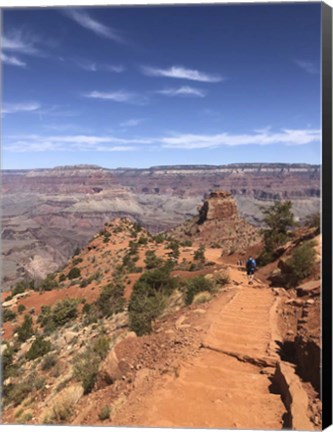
x=227, y=385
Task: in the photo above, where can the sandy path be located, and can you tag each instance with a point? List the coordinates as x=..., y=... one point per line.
x=223, y=386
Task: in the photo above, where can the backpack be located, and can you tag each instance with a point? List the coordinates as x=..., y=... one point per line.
x=250, y=264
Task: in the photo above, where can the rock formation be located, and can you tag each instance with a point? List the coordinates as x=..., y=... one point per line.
x=219, y=225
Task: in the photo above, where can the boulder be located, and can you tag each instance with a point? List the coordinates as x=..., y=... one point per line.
x=110, y=370
x=311, y=288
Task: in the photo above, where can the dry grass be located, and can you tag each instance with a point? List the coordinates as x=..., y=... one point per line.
x=202, y=297
x=63, y=406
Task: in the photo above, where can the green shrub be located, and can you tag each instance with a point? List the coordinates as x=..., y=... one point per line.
x=101, y=346
x=86, y=308
x=195, y=285
x=106, y=238
x=152, y=261
x=25, y=331
x=8, y=315
x=62, y=278
x=91, y=314
x=77, y=261
x=74, y=273
x=300, y=265
x=26, y=417
x=143, y=311
x=39, y=348
x=313, y=220
x=85, y=370
x=279, y=218
x=129, y=261
x=49, y=361
x=45, y=319
x=111, y=299
x=16, y=393
x=84, y=283
x=86, y=364
x=143, y=240
x=174, y=246
x=22, y=286
x=7, y=362
x=49, y=283
x=148, y=299
x=21, y=308
x=159, y=238
x=104, y=413
x=64, y=311
x=199, y=255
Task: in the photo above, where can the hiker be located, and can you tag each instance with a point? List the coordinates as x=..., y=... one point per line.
x=250, y=268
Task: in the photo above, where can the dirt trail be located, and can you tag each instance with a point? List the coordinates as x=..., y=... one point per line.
x=227, y=384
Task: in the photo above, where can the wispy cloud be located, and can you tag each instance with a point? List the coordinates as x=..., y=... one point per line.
x=85, y=20
x=181, y=72
x=308, y=67
x=183, y=91
x=13, y=108
x=44, y=143
x=21, y=42
x=115, y=68
x=95, y=67
x=110, y=143
x=118, y=96
x=13, y=61
x=286, y=136
x=132, y=122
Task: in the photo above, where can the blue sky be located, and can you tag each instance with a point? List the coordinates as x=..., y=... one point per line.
x=144, y=86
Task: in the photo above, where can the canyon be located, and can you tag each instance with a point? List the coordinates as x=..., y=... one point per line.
x=48, y=213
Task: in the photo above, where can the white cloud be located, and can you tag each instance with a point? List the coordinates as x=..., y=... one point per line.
x=83, y=19
x=95, y=67
x=18, y=41
x=42, y=143
x=183, y=91
x=286, y=136
x=181, y=73
x=117, y=96
x=105, y=143
x=13, y=61
x=116, y=149
x=12, y=108
x=308, y=67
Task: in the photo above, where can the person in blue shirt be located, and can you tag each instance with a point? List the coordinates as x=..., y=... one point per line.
x=250, y=268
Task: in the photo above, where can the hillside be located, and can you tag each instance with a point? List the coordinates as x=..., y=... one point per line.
x=202, y=337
